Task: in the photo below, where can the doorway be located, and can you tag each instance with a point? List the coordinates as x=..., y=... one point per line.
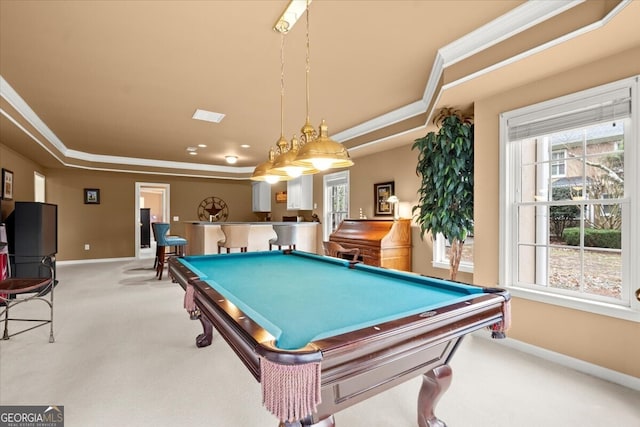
x=39, y=182
x=156, y=198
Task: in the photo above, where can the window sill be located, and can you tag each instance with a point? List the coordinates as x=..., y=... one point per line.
x=464, y=267
x=611, y=310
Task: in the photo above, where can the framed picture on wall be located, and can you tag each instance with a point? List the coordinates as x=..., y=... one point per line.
x=381, y=192
x=7, y=184
x=91, y=196
x=281, y=197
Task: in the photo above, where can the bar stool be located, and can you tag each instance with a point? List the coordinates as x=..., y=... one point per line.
x=163, y=241
x=336, y=250
x=155, y=239
x=235, y=236
x=286, y=235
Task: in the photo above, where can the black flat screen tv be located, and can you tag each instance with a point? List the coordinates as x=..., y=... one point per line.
x=32, y=232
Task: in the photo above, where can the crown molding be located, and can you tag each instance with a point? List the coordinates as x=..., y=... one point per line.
x=15, y=100
x=555, y=42
x=519, y=19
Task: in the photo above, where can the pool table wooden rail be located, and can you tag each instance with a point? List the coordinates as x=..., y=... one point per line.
x=358, y=364
x=363, y=363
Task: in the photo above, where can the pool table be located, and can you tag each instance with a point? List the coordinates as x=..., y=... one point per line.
x=321, y=334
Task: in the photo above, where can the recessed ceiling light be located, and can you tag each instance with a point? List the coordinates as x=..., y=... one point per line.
x=192, y=149
x=208, y=116
x=193, y=153
x=202, y=145
x=231, y=159
x=245, y=146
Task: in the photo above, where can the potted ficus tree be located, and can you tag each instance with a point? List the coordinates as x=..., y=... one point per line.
x=445, y=165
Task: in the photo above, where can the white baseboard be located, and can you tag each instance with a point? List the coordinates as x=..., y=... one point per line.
x=93, y=261
x=570, y=362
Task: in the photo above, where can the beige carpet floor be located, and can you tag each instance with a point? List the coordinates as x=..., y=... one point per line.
x=125, y=356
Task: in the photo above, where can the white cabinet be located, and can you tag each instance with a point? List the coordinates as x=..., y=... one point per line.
x=261, y=192
x=300, y=193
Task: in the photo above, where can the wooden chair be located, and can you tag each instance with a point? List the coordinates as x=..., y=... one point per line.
x=286, y=235
x=235, y=236
x=336, y=250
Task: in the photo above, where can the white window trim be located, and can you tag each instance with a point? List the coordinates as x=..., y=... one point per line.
x=441, y=256
x=631, y=273
x=327, y=181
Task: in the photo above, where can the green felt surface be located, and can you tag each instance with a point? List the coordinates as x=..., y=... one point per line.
x=302, y=297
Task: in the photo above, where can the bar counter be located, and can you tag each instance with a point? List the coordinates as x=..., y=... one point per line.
x=202, y=237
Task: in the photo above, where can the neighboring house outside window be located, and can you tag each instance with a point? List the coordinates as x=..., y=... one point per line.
x=559, y=165
x=568, y=189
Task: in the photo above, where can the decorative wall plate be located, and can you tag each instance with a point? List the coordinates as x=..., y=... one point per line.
x=213, y=209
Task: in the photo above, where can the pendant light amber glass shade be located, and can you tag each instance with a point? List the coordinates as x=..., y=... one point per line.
x=323, y=153
x=264, y=171
x=284, y=163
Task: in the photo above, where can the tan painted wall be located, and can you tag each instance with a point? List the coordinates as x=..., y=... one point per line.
x=153, y=201
x=110, y=226
x=278, y=210
x=601, y=340
x=23, y=185
x=396, y=165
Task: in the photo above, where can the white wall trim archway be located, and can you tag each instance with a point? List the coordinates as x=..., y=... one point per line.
x=141, y=187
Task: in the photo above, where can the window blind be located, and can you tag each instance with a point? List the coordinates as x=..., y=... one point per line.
x=337, y=178
x=608, y=106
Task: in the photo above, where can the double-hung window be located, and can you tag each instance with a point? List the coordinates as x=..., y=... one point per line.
x=570, y=194
x=441, y=247
x=336, y=201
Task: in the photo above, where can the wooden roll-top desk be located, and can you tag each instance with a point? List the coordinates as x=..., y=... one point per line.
x=382, y=243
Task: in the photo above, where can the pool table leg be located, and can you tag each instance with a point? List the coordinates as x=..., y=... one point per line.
x=434, y=384
x=205, y=338
x=307, y=422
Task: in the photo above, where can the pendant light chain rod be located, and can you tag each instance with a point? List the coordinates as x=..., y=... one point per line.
x=316, y=151
x=308, y=67
x=282, y=85
x=308, y=132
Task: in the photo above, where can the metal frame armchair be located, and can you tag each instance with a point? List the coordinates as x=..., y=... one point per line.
x=18, y=290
